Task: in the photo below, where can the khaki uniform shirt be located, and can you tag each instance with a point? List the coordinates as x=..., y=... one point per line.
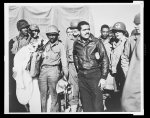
x=131, y=96
x=53, y=54
x=107, y=46
x=69, y=48
x=127, y=53
x=116, y=54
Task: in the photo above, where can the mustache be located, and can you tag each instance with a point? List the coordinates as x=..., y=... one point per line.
x=87, y=33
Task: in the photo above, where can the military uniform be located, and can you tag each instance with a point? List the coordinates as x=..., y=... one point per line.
x=73, y=78
x=92, y=63
x=107, y=45
x=116, y=69
x=118, y=47
x=50, y=72
x=19, y=42
x=127, y=53
x=116, y=54
x=110, y=79
x=131, y=97
x=15, y=44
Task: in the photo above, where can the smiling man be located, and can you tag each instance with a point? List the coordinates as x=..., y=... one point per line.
x=54, y=54
x=104, y=33
x=91, y=62
x=119, y=29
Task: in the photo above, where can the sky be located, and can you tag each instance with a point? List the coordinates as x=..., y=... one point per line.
x=110, y=14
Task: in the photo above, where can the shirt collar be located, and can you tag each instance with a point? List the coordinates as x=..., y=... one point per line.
x=103, y=40
x=86, y=42
x=54, y=44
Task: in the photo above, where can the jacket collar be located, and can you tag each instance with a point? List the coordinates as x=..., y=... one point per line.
x=90, y=39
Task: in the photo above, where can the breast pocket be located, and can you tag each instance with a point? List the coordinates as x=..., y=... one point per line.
x=55, y=54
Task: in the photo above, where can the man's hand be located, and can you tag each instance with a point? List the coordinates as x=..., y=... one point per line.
x=102, y=84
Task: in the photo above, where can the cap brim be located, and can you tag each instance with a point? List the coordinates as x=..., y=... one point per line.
x=114, y=30
x=51, y=33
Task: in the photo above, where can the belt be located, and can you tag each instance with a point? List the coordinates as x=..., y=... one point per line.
x=46, y=65
x=71, y=61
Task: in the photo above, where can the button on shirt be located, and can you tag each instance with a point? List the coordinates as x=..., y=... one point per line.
x=53, y=54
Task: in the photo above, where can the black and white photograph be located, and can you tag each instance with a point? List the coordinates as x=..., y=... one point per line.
x=74, y=58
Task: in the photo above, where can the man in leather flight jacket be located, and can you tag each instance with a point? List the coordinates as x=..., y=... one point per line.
x=91, y=62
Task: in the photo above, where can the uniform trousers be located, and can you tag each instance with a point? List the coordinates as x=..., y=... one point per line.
x=73, y=79
x=47, y=81
x=91, y=95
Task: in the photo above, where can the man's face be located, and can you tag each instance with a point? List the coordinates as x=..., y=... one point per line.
x=52, y=37
x=34, y=33
x=69, y=32
x=119, y=35
x=111, y=34
x=75, y=32
x=104, y=33
x=24, y=31
x=137, y=28
x=85, y=31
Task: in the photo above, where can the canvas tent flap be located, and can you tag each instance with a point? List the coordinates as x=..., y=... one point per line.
x=64, y=15
x=43, y=16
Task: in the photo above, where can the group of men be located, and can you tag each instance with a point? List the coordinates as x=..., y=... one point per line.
x=89, y=70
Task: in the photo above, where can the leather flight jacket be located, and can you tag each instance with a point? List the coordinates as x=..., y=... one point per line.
x=90, y=55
